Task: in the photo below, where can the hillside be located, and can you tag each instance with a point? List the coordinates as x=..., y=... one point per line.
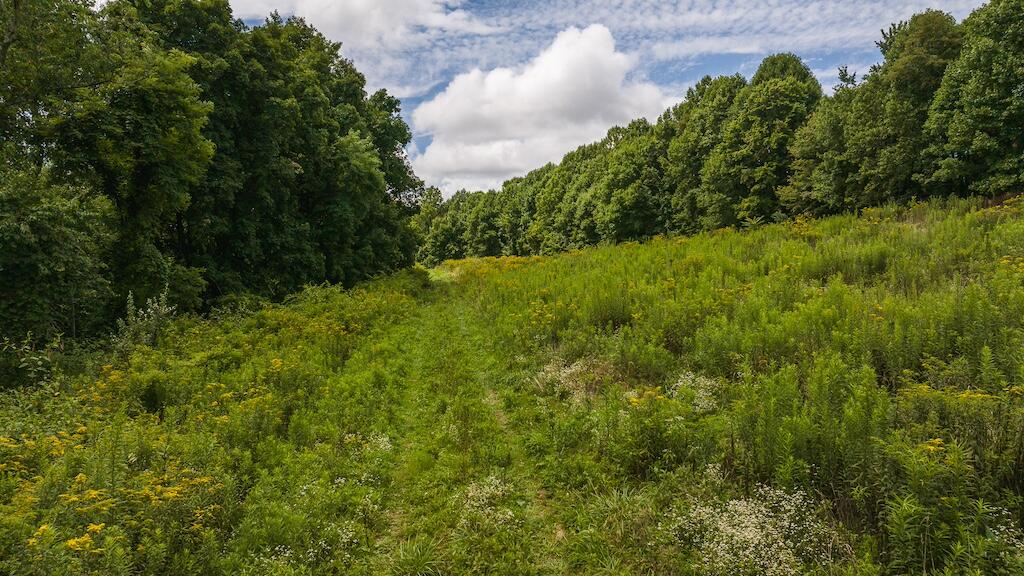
x=836, y=396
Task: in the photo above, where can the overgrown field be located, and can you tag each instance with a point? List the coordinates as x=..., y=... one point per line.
x=843, y=396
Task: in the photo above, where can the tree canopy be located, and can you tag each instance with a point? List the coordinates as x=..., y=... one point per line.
x=230, y=159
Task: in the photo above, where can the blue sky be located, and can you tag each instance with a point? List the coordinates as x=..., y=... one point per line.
x=494, y=88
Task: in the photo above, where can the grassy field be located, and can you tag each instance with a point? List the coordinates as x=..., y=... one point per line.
x=843, y=396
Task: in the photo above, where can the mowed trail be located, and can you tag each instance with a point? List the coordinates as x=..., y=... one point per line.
x=460, y=480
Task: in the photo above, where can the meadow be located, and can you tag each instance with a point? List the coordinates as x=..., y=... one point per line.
x=842, y=396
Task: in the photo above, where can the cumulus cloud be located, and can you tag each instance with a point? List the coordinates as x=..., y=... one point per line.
x=487, y=126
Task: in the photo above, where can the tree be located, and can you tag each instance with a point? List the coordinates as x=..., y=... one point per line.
x=821, y=168
x=53, y=243
x=864, y=146
x=974, y=126
x=885, y=130
x=233, y=159
x=309, y=182
x=701, y=118
x=630, y=188
x=744, y=174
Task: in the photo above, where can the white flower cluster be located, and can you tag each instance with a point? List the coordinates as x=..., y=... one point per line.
x=378, y=443
x=774, y=533
x=705, y=391
x=273, y=562
x=1005, y=532
x=484, y=505
x=371, y=443
x=713, y=477
x=576, y=382
x=337, y=541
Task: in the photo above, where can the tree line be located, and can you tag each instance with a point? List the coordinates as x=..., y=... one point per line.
x=151, y=146
x=941, y=115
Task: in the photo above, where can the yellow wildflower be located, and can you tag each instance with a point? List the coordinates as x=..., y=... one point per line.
x=973, y=395
x=95, y=528
x=83, y=542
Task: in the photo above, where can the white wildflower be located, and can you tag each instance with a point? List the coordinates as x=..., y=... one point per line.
x=576, y=382
x=705, y=391
x=774, y=533
x=484, y=503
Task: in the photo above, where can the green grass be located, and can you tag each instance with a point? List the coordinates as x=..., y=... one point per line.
x=843, y=396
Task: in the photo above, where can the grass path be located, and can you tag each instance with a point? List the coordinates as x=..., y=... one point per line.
x=459, y=464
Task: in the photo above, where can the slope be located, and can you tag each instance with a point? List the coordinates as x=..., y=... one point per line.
x=840, y=396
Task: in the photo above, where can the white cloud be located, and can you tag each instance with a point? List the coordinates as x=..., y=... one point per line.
x=384, y=37
x=489, y=126
x=372, y=24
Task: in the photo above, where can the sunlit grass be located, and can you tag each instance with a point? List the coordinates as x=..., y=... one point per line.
x=617, y=410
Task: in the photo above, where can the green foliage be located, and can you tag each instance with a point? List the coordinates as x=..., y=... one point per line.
x=975, y=117
x=701, y=117
x=232, y=159
x=743, y=175
x=864, y=146
x=53, y=247
x=817, y=396
x=885, y=132
x=309, y=182
x=833, y=396
x=142, y=326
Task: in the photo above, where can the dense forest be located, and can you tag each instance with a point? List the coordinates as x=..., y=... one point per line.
x=157, y=145
x=941, y=115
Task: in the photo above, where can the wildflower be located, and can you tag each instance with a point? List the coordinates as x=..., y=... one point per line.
x=95, y=528
x=81, y=543
x=973, y=395
x=933, y=445
x=276, y=364
x=705, y=391
x=772, y=534
x=80, y=479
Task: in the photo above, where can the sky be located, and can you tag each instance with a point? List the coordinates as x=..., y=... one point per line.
x=495, y=88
